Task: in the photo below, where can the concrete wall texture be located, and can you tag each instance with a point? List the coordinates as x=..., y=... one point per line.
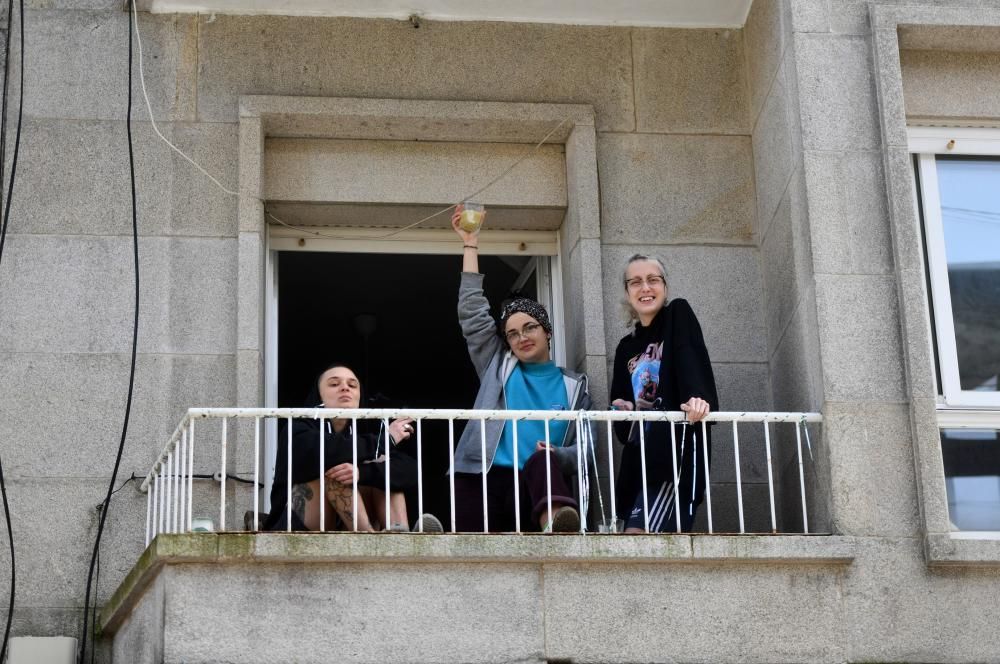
x=751, y=160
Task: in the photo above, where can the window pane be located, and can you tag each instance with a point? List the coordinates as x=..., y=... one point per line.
x=972, y=475
x=970, y=212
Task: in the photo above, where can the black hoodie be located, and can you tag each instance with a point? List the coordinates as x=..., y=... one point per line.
x=337, y=449
x=685, y=372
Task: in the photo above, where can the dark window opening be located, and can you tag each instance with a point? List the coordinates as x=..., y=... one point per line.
x=392, y=319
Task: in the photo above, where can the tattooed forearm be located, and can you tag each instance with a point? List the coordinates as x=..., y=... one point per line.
x=301, y=494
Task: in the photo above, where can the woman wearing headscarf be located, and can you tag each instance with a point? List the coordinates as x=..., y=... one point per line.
x=516, y=372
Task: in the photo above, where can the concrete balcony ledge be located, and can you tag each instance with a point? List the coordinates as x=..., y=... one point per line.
x=393, y=549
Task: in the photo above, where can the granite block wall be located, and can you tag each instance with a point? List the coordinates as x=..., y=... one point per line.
x=750, y=160
x=676, y=170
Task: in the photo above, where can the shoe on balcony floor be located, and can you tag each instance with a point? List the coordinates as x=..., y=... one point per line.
x=565, y=520
x=431, y=524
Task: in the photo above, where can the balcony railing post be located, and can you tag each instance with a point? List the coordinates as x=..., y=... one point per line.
x=482, y=446
x=222, y=478
x=256, y=473
x=770, y=476
x=420, y=478
x=182, y=483
x=548, y=471
x=322, y=475
x=802, y=479
x=175, y=490
x=388, y=508
x=150, y=511
x=190, y=500
x=739, y=476
x=451, y=468
x=611, y=478
x=676, y=479
x=579, y=474
x=168, y=482
x=642, y=458
x=517, y=480
x=149, y=507
x=160, y=492
x=288, y=479
x=354, y=474
x=708, y=478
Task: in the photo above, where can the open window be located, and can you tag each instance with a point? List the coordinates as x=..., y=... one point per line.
x=388, y=310
x=959, y=185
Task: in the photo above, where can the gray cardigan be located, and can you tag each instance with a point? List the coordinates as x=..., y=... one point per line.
x=494, y=363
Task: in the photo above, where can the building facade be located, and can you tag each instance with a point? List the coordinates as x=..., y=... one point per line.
x=782, y=167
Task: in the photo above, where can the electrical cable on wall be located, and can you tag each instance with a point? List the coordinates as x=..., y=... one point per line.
x=131, y=377
x=3, y=239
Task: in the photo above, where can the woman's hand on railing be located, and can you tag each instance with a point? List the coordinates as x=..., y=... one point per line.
x=343, y=473
x=401, y=429
x=697, y=409
x=621, y=404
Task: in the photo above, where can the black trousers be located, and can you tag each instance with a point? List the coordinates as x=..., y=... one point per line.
x=500, y=496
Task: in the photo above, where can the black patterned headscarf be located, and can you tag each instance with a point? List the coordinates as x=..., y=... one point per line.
x=527, y=306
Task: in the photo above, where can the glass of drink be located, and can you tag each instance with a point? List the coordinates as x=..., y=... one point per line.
x=471, y=219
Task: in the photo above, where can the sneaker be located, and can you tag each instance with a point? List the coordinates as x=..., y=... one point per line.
x=398, y=528
x=430, y=523
x=565, y=520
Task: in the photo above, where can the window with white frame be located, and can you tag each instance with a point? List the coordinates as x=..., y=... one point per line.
x=958, y=176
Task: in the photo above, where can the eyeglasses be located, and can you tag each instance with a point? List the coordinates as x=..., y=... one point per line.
x=513, y=336
x=652, y=281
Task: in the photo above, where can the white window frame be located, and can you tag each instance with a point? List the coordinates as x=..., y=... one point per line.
x=927, y=143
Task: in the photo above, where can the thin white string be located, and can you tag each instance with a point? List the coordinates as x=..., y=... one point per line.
x=231, y=192
x=152, y=120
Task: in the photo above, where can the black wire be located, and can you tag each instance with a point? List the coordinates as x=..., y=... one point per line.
x=6, y=79
x=97, y=585
x=135, y=334
x=101, y=506
x=235, y=478
x=3, y=238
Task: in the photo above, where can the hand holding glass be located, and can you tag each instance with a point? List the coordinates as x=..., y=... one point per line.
x=471, y=219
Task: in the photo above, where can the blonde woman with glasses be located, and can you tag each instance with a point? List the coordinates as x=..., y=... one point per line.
x=662, y=364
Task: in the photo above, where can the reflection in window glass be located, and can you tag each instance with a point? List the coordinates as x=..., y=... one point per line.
x=972, y=475
x=970, y=212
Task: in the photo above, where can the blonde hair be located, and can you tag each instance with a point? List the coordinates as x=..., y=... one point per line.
x=627, y=311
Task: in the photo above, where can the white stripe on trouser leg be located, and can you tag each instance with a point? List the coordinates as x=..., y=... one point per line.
x=656, y=505
x=660, y=513
x=668, y=510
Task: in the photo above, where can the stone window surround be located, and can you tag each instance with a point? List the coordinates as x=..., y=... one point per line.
x=571, y=125
x=395, y=119
x=941, y=546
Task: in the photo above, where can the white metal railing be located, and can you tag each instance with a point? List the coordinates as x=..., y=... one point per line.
x=169, y=485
